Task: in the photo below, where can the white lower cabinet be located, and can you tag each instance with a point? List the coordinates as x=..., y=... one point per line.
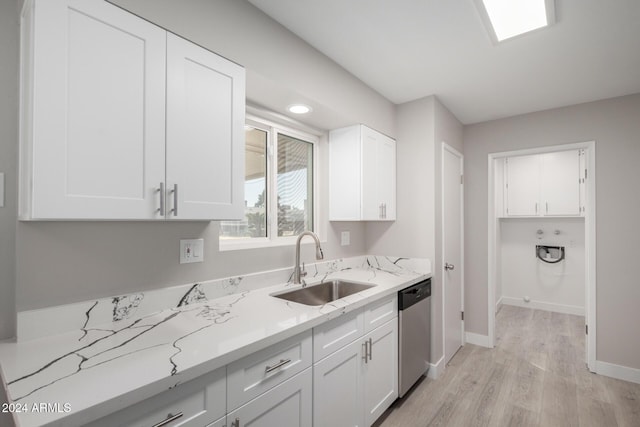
x=337, y=388
x=356, y=384
x=193, y=404
x=288, y=404
x=380, y=377
x=353, y=381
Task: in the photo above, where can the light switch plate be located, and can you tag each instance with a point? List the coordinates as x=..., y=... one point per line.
x=345, y=238
x=1, y=190
x=191, y=250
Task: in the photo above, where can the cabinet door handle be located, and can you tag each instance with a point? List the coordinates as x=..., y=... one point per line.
x=365, y=355
x=276, y=366
x=175, y=200
x=370, y=348
x=546, y=207
x=161, y=191
x=536, y=208
x=169, y=419
x=236, y=422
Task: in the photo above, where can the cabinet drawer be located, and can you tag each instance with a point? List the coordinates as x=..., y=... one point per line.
x=288, y=404
x=380, y=312
x=253, y=375
x=337, y=333
x=193, y=404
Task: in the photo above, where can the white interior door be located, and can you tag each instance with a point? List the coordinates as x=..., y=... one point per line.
x=452, y=268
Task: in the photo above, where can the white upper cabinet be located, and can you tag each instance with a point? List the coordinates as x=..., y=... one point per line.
x=546, y=184
x=94, y=113
x=560, y=183
x=362, y=175
x=522, y=185
x=205, y=121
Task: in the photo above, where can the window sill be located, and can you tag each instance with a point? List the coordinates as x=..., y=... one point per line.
x=225, y=245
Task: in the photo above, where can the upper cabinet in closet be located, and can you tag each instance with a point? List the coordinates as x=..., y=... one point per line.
x=121, y=120
x=549, y=184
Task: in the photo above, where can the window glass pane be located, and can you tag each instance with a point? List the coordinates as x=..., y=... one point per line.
x=295, y=186
x=254, y=223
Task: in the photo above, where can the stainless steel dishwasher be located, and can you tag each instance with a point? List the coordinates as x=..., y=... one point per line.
x=414, y=305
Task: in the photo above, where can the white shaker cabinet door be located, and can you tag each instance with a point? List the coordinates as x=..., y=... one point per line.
x=386, y=177
x=337, y=388
x=92, y=113
x=381, y=371
x=288, y=404
x=378, y=176
x=371, y=203
x=523, y=185
x=560, y=183
x=205, y=133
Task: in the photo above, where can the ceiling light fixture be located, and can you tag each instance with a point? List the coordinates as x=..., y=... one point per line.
x=299, y=109
x=505, y=19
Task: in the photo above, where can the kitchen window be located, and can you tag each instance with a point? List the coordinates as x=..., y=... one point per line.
x=279, y=187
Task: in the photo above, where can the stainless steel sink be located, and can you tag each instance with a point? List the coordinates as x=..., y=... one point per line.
x=324, y=292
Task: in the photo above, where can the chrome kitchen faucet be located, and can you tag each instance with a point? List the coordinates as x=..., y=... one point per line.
x=297, y=271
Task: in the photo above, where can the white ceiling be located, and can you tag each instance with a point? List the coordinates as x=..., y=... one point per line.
x=408, y=49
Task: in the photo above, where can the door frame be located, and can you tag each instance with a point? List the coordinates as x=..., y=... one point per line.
x=447, y=147
x=590, y=240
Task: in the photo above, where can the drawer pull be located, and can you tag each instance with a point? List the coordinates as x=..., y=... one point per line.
x=169, y=419
x=274, y=367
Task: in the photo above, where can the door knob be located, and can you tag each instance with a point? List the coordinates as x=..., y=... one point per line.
x=448, y=266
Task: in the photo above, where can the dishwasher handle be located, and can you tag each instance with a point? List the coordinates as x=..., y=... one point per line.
x=414, y=294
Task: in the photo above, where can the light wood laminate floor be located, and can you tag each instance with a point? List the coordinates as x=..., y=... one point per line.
x=535, y=376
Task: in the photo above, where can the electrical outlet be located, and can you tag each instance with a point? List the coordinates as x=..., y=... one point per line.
x=191, y=250
x=345, y=238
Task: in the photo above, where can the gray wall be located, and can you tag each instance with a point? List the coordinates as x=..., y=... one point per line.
x=65, y=262
x=274, y=58
x=615, y=126
x=422, y=126
x=9, y=48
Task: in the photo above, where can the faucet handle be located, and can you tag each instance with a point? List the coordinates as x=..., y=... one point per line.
x=303, y=272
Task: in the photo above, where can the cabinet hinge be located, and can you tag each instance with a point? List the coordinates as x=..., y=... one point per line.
x=462, y=315
x=586, y=329
x=585, y=173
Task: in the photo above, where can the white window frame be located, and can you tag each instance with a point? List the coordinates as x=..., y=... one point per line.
x=272, y=240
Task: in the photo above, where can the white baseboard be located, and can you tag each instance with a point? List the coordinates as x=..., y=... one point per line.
x=547, y=306
x=499, y=304
x=435, y=370
x=476, y=339
x=617, y=371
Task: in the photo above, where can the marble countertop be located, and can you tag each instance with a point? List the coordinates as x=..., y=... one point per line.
x=93, y=371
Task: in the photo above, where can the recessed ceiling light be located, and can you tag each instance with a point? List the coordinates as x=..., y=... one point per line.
x=510, y=18
x=299, y=109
